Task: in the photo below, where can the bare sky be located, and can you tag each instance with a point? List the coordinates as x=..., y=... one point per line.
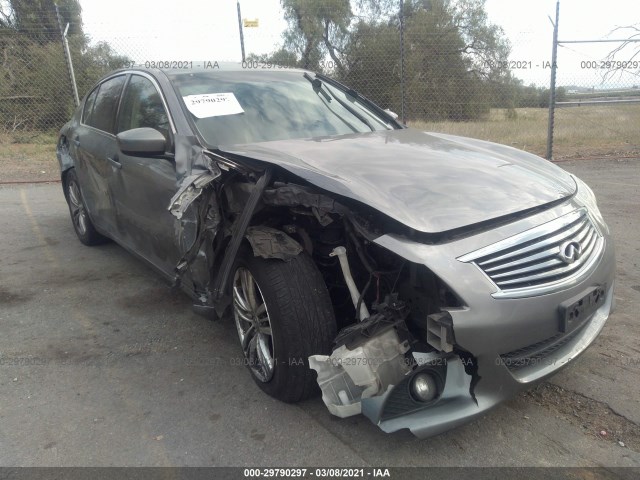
x=206, y=30
x=527, y=26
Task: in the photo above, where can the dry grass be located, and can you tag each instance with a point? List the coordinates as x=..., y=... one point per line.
x=585, y=131
x=28, y=157
x=579, y=131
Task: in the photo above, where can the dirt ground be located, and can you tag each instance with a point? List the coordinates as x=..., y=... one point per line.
x=30, y=157
x=102, y=364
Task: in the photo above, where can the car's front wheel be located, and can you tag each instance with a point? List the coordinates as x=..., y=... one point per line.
x=82, y=224
x=283, y=314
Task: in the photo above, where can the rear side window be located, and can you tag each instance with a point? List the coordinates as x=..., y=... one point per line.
x=142, y=107
x=88, y=106
x=106, y=104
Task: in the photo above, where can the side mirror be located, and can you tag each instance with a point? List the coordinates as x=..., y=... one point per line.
x=142, y=141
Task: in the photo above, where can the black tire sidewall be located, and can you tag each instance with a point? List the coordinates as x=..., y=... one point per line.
x=292, y=379
x=91, y=236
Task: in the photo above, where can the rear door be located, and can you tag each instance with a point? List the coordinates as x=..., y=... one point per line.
x=143, y=186
x=95, y=144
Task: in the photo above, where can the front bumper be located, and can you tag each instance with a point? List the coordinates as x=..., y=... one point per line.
x=491, y=329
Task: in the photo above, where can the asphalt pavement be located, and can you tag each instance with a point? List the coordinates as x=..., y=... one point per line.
x=101, y=364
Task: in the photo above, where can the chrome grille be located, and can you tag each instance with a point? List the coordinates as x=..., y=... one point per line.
x=542, y=258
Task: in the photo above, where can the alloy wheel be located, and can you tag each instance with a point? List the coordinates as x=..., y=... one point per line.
x=78, y=212
x=253, y=324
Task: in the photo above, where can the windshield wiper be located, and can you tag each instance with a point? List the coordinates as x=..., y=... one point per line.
x=328, y=95
x=325, y=98
x=317, y=86
x=350, y=91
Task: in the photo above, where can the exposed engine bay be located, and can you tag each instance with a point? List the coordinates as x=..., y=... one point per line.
x=391, y=313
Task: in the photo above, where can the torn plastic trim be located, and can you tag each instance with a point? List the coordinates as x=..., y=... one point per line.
x=193, y=165
x=196, y=170
x=198, y=257
x=438, y=330
x=191, y=189
x=267, y=242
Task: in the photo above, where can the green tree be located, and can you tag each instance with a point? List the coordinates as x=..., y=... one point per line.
x=37, y=20
x=454, y=57
x=281, y=57
x=92, y=61
x=35, y=90
x=317, y=28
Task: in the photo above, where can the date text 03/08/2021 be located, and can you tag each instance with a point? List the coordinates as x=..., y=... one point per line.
x=325, y=472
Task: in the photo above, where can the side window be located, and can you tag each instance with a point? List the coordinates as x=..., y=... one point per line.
x=142, y=107
x=88, y=106
x=106, y=104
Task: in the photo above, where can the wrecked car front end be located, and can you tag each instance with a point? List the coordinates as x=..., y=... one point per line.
x=504, y=339
x=433, y=334
x=446, y=326
x=455, y=272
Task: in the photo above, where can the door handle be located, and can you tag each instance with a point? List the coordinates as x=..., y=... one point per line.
x=114, y=161
x=76, y=141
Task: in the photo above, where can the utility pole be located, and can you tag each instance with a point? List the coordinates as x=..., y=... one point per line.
x=402, y=94
x=240, y=28
x=552, y=84
x=67, y=55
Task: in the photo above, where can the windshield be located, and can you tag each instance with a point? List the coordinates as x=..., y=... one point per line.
x=263, y=106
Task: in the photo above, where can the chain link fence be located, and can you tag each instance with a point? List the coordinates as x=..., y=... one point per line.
x=35, y=93
x=598, y=103
x=431, y=66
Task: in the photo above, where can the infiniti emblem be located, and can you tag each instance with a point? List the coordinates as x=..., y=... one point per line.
x=570, y=252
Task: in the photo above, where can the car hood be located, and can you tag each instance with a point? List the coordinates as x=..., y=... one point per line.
x=430, y=182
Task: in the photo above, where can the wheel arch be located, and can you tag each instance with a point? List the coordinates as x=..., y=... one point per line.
x=65, y=160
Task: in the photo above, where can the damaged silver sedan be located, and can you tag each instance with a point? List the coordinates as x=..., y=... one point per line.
x=416, y=278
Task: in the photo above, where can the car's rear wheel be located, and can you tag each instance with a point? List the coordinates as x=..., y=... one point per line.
x=82, y=224
x=283, y=315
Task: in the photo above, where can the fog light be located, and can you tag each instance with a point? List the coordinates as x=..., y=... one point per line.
x=423, y=387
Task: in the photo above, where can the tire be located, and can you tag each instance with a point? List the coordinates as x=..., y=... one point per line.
x=82, y=224
x=292, y=303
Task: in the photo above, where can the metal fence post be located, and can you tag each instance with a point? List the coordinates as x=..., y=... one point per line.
x=67, y=56
x=240, y=28
x=552, y=85
x=402, y=85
